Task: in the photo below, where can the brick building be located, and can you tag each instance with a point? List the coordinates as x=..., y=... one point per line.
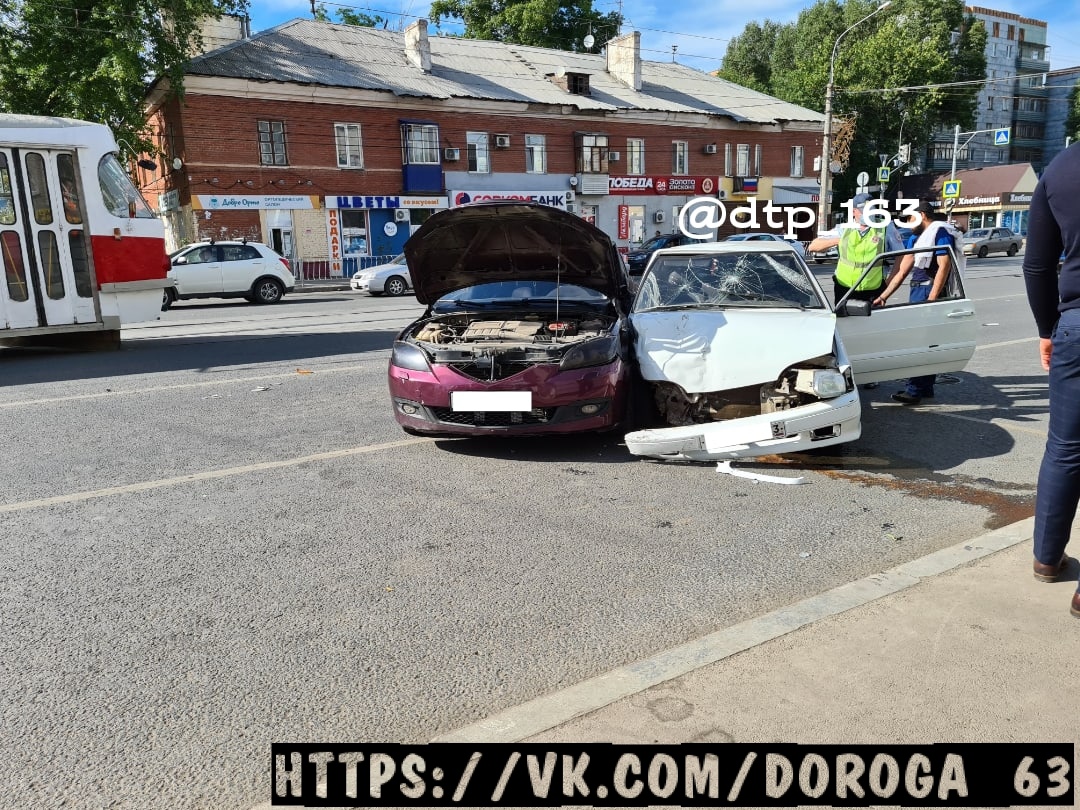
x=330, y=141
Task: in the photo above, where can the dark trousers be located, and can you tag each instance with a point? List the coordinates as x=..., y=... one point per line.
x=920, y=386
x=1059, y=475
x=840, y=290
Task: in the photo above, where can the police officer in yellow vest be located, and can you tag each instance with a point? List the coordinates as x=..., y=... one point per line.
x=858, y=245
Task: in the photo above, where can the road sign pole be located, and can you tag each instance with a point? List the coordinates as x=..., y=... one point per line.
x=955, y=148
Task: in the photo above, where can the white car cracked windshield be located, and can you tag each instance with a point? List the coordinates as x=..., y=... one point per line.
x=741, y=354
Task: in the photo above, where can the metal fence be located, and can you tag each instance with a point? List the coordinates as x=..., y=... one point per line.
x=322, y=270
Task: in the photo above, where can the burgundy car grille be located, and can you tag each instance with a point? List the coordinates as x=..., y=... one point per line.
x=537, y=416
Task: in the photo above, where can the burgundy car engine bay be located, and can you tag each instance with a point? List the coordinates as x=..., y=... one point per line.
x=488, y=349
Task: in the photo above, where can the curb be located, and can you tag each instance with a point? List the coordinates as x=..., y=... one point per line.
x=544, y=713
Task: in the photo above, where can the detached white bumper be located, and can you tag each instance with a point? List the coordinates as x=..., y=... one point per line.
x=820, y=424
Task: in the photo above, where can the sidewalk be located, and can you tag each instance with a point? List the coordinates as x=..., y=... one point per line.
x=318, y=285
x=961, y=646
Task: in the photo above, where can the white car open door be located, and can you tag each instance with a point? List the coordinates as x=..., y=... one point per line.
x=904, y=340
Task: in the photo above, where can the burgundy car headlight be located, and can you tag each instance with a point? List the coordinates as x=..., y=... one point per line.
x=405, y=355
x=594, y=352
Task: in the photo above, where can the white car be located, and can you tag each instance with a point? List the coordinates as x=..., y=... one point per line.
x=391, y=278
x=755, y=236
x=741, y=354
x=248, y=270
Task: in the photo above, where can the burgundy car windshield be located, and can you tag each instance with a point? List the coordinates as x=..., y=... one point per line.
x=512, y=293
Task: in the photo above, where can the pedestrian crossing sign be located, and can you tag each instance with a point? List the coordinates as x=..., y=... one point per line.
x=951, y=190
x=883, y=174
x=1001, y=136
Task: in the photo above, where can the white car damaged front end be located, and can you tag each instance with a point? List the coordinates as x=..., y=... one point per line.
x=753, y=366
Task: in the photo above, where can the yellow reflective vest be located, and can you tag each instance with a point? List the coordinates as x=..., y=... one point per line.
x=857, y=250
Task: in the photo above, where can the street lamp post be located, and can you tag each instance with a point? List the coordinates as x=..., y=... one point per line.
x=826, y=176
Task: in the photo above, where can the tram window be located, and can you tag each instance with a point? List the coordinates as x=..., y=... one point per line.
x=119, y=193
x=79, y=264
x=39, y=189
x=65, y=167
x=14, y=270
x=50, y=265
x=7, y=201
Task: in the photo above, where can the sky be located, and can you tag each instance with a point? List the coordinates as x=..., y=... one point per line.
x=699, y=29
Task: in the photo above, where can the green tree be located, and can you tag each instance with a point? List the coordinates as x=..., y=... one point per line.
x=1072, y=120
x=93, y=59
x=748, y=60
x=561, y=24
x=350, y=17
x=912, y=44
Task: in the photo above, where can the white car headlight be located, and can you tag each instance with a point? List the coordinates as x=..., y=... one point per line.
x=824, y=383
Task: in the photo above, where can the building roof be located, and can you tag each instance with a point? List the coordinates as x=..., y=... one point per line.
x=988, y=181
x=345, y=56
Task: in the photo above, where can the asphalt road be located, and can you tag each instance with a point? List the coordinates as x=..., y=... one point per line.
x=218, y=537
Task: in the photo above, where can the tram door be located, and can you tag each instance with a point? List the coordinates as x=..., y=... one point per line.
x=44, y=243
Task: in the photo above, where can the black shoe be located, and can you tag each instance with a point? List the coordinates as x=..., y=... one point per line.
x=904, y=398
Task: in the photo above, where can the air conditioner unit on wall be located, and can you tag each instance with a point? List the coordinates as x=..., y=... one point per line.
x=401, y=215
x=452, y=154
x=613, y=155
x=658, y=216
x=570, y=196
x=502, y=141
x=710, y=149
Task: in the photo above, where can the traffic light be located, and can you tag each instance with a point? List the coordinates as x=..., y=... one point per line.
x=905, y=153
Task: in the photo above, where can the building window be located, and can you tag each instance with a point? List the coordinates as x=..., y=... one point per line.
x=478, y=152
x=727, y=160
x=635, y=156
x=742, y=160
x=1012, y=29
x=989, y=102
x=944, y=151
x=592, y=154
x=349, y=152
x=535, y=154
x=757, y=161
x=680, y=156
x=272, y=143
x=796, y=161
x=419, y=144
x=997, y=30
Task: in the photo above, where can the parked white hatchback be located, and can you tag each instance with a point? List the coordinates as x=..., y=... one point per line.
x=248, y=270
x=391, y=278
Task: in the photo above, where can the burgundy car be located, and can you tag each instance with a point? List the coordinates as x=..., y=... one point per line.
x=524, y=331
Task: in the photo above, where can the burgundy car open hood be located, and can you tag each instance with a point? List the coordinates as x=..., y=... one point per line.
x=510, y=241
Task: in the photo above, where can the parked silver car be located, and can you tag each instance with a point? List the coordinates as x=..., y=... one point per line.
x=768, y=237
x=983, y=241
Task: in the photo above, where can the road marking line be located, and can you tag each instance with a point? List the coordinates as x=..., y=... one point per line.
x=208, y=475
x=177, y=386
x=552, y=710
x=1006, y=343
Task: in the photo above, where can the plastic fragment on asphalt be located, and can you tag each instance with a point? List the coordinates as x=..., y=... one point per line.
x=804, y=554
x=726, y=468
x=304, y=371
x=261, y=388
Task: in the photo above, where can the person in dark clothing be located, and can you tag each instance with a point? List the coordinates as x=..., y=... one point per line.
x=1054, y=225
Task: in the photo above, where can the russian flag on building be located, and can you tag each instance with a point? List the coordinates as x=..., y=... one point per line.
x=749, y=185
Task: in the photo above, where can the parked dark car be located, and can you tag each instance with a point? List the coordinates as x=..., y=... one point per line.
x=524, y=331
x=638, y=258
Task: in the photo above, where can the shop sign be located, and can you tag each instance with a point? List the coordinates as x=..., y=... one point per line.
x=377, y=201
x=252, y=202
x=1018, y=198
x=554, y=199
x=333, y=232
x=657, y=184
x=624, y=222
